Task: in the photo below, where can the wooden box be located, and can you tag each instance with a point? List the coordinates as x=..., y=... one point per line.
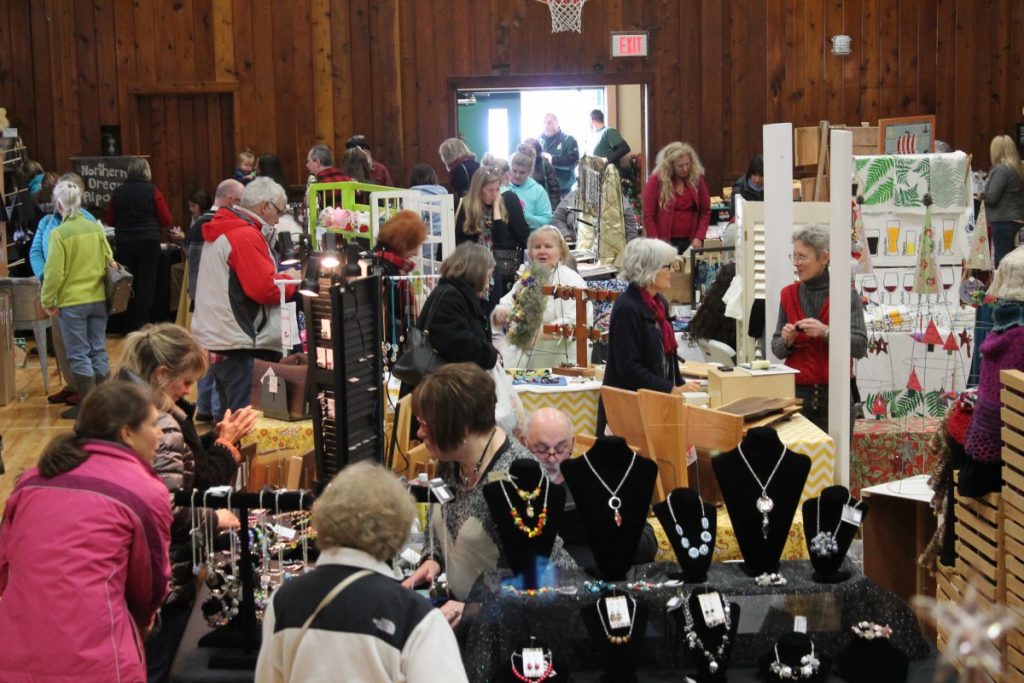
x=805, y=145
x=729, y=386
x=865, y=139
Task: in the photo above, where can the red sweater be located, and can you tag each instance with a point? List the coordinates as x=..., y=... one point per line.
x=810, y=354
x=687, y=218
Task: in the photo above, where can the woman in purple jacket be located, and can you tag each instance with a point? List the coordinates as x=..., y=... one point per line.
x=84, y=548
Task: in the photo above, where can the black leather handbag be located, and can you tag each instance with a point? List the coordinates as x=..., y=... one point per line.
x=419, y=359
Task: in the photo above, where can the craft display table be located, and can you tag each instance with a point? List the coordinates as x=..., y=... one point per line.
x=505, y=620
x=727, y=549
x=803, y=436
x=883, y=450
x=578, y=400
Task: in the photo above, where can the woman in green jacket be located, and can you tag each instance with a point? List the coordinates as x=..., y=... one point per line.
x=74, y=288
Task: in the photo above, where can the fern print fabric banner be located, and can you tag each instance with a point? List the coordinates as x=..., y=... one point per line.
x=898, y=184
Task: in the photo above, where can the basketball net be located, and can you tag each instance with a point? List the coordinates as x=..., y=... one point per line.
x=566, y=15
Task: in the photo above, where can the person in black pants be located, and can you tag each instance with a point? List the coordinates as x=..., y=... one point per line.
x=137, y=211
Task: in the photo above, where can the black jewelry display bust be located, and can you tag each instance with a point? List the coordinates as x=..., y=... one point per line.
x=527, y=557
x=872, y=661
x=613, y=545
x=686, y=504
x=740, y=490
x=831, y=501
x=710, y=637
x=560, y=674
x=618, y=660
x=791, y=647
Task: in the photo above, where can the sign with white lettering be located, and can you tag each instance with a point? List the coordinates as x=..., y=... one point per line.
x=629, y=44
x=102, y=175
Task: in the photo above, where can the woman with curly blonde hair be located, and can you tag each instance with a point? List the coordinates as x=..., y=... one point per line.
x=1004, y=195
x=677, y=204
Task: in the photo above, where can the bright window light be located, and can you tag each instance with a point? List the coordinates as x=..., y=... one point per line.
x=497, y=133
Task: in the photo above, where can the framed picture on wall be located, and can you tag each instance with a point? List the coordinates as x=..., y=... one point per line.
x=907, y=135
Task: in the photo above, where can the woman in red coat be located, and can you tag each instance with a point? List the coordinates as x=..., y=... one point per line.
x=677, y=205
x=84, y=558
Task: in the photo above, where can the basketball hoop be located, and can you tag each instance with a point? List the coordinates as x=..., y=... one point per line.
x=566, y=15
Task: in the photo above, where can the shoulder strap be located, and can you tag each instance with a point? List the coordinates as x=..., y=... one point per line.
x=352, y=578
x=430, y=316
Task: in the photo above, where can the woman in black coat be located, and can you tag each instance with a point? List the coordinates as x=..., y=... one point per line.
x=496, y=221
x=641, y=343
x=461, y=164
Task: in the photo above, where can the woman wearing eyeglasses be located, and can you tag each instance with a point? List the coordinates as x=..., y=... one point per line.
x=801, y=337
x=641, y=343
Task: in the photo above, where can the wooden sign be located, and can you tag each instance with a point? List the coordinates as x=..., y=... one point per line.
x=102, y=175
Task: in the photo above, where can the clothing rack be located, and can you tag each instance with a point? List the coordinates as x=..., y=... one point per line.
x=242, y=632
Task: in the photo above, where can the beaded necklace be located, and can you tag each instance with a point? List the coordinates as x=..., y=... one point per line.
x=824, y=543
x=517, y=518
x=809, y=664
x=618, y=639
x=705, y=535
x=695, y=643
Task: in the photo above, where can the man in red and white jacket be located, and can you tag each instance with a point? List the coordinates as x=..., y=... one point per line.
x=238, y=313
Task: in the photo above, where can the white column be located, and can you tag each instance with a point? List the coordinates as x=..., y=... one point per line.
x=778, y=222
x=840, y=175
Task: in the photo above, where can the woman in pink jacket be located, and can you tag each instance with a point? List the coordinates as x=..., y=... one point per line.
x=677, y=205
x=84, y=548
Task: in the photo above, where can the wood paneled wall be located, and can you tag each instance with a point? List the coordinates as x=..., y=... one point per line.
x=320, y=70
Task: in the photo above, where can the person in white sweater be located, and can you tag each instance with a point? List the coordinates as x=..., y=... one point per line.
x=548, y=248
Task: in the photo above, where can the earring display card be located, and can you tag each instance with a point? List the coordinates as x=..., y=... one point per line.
x=712, y=608
x=618, y=612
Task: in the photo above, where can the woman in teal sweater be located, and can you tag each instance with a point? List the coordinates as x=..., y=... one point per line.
x=73, y=287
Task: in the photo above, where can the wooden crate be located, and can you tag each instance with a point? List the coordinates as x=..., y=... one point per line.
x=805, y=145
x=865, y=139
x=980, y=544
x=1012, y=397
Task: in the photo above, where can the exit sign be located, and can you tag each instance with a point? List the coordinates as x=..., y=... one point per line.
x=629, y=44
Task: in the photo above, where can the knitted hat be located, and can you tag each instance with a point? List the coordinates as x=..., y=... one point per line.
x=1008, y=282
x=357, y=141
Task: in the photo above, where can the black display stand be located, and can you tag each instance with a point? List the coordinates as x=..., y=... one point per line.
x=527, y=557
x=619, y=660
x=689, y=509
x=345, y=382
x=613, y=545
x=762, y=449
x=828, y=568
x=710, y=637
x=872, y=661
x=241, y=637
x=559, y=674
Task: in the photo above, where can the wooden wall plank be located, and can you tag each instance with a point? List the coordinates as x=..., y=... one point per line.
x=310, y=69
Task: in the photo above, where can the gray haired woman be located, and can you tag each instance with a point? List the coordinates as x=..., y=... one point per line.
x=801, y=337
x=641, y=343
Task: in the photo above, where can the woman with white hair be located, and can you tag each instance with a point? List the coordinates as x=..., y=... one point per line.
x=677, y=204
x=525, y=307
x=74, y=286
x=801, y=337
x=641, y=343
x=348, y=619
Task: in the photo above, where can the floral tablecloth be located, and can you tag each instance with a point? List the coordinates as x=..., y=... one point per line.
x=883, y=450
x=726, y=546
x=277, y=436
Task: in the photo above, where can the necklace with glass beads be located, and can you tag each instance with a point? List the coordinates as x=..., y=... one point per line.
x=825, y=543
x=691, y=549
x=517, y=518
x=695, y=643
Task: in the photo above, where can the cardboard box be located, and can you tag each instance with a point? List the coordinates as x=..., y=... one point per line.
x=726, y=387
x=8, y=389
x=681, y=291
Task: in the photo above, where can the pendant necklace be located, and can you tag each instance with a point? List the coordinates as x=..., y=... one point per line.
x=517, y=518
x=695, y=643
x=764, y=503
x=705, y=535
x=479, y=462
x=614, y=502
x=824, y=543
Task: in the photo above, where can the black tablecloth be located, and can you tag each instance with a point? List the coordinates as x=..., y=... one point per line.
x=504, y=619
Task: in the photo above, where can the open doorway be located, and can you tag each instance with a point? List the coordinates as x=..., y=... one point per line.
x=496, y=120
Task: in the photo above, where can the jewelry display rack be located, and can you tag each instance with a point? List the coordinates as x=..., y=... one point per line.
x=581, y=332
x=344, y=339
x=243, y=632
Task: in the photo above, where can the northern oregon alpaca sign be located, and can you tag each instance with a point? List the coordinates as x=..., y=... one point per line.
x=102, y=175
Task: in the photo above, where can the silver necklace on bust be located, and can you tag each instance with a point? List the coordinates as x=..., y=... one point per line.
x=614, y=502
x=764, y=503
x=824, y=543
x=705, y=535
x=694, y=642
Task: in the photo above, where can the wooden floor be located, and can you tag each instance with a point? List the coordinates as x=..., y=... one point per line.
x=28, y=422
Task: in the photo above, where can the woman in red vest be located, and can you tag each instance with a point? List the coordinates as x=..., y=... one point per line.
x=801, y=337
